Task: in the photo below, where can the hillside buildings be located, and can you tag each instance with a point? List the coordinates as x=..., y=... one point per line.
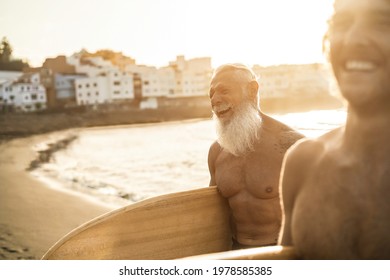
x=26, y=93
x=308, y=80
x=81, y=80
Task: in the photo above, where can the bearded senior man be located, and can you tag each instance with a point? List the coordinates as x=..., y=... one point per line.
x=246, y=159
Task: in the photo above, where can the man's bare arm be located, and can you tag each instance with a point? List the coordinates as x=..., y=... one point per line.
x=296, y=162
x=213, y=153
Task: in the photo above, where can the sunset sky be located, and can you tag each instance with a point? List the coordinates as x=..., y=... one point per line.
x=154, y=32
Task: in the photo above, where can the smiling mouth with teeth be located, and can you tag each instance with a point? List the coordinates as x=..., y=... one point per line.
x=360, y=65
x=220, y=111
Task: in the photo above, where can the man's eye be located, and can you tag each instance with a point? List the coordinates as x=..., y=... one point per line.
x=381, y=21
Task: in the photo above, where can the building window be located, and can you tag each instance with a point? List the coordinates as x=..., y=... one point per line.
x=117, y=83
x=33, y=96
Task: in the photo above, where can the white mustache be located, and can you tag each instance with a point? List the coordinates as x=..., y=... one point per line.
x=221, y=107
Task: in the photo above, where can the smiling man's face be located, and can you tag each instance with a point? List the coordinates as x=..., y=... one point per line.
x=236, y=114
x=227, y=92
x=359, y=37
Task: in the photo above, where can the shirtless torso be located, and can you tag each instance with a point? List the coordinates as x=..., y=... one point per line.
x=341, y=210
x=336, y=189
x=250, y=183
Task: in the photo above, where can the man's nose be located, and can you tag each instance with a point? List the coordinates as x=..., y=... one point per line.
x=215, y=99
x=358, y=34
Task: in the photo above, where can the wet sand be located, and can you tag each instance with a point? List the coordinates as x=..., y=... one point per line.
x=34, y=216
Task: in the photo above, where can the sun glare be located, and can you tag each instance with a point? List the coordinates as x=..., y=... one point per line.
x=154, y=32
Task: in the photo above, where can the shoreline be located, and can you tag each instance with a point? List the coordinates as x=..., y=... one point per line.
x=19, y=125
x=118, y=197
x=33, y=216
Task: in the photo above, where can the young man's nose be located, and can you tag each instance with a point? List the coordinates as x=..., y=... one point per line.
x=358, y=33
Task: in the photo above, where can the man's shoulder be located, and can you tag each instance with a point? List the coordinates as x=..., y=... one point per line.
x=286, y=135
x=215, y=145
x=305, y=145
x=311, y=148
x=215, y=149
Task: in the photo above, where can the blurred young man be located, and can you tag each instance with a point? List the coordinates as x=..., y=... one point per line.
x=246, y=159
x=336, y=189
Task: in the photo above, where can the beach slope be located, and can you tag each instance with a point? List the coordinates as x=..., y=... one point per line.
x=34, y=216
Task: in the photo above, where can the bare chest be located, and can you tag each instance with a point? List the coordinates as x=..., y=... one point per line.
x=257, y=174
x=344, y=213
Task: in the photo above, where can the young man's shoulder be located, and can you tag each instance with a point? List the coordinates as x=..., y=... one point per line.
x=309, y=148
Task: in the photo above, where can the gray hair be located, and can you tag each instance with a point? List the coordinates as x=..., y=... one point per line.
x=242, y=71
x=239, y=69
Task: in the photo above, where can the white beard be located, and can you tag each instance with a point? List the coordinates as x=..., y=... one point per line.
x=238, y=136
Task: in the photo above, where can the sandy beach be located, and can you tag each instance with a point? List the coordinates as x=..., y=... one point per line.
x=34, y=216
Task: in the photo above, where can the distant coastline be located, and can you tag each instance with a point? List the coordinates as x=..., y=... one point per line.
x=16, y=125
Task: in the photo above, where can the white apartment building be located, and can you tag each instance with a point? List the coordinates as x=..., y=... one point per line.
x=91, y=90
x=26, y=94
x=293, y=80
x=110, y=87
x=104, y=82
x=180, y=78
x=192, y=76
x=194, y=83
x=120, y=85
x=64, y=86
x=154, y=82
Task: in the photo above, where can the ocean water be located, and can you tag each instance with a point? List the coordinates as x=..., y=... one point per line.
x=124, y=164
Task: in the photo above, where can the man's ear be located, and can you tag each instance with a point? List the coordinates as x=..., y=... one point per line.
x=253, y=89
